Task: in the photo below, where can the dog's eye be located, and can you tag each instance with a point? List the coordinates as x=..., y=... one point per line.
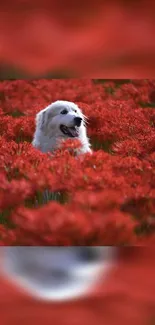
x=64, y=111
x=87, y=254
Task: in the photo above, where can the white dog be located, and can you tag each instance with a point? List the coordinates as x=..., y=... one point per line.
x=59, y=121
x=56, y=273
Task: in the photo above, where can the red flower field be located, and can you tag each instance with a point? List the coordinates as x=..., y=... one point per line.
x=54, y=199
x=103, y=39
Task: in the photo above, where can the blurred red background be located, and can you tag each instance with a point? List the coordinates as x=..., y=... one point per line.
x=104, y=39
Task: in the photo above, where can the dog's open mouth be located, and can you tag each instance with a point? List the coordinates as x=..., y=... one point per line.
x=72, y=132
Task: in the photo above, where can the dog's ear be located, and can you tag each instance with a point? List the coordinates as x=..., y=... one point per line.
x=42, y=119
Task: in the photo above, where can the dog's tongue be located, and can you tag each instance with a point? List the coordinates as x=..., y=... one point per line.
x=73, y=131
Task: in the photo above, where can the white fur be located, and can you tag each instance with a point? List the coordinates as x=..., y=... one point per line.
x=48, y=135
x=56, y=273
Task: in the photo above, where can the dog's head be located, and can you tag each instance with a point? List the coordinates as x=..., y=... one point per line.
x=58, y=273
x=62, y=119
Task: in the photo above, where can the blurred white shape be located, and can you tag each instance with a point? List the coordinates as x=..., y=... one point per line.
x=57, y=273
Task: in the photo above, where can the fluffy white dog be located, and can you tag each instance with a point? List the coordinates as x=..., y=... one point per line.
x=56, y=273
x=59, y=121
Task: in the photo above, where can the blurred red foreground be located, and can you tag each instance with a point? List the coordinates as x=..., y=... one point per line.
x=127, y=297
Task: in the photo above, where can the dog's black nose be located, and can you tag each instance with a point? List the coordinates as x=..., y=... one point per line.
x=77, y=121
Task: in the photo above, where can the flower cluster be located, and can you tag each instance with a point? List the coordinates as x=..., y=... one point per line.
x=107, y=198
